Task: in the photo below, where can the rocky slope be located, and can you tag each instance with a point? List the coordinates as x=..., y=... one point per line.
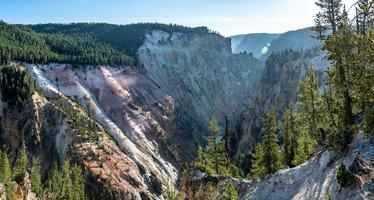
x=313, y=180
x=201, y=73
x=137, y=115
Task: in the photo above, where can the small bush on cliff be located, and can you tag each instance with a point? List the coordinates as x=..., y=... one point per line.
x=345, y=177
x=231, y=193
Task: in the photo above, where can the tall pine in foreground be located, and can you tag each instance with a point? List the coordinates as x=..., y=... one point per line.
x=267, y=158
x=338, y=45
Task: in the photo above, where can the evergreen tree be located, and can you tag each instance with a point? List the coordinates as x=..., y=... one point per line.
x=304, y=148
x=35, y=178
x=258, y=169
x=54, y=182
x=21, y=163
x=78, y=182
x=289, y=135
x=273, y=155
x=216, y=146
x=267, y=158
x=5, y=172
x=231, y=193
x=67, y=185
x=310, y=105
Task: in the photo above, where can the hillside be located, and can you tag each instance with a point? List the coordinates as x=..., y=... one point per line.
x=253, y=43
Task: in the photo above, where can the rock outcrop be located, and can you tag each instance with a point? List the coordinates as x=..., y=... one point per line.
x=313, y=180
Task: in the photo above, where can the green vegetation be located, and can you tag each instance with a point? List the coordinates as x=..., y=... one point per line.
x=19, y=43
x=125, y=38
x=16, y=86
x=345, y=177
x=267, y=158
x=65, y=183
x=231, y=193
x=328, y=118
x=213, y=159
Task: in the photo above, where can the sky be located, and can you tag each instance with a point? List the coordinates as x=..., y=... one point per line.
x=228, y=17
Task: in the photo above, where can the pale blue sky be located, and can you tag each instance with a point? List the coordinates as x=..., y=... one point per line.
x=229, y=17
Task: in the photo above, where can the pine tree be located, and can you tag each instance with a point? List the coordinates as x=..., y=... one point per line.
x=340, y=53
x=258, y=162
x=304, y=149
x=267, y=158
x=21, y=163
x=215, y=146
x=273, y=155
x=289, y=135
x=78, y=183
x=67, y=185
x=329, y=15
x=54, y=182
x=5, y=172
x=35, y=178
x=310, y=105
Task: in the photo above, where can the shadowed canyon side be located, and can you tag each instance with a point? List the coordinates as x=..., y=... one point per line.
x=202, y=75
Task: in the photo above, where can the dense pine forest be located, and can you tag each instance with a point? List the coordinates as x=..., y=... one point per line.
x=125, y=38
x=19, y=43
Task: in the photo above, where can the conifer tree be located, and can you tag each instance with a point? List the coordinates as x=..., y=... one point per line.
x=5, y=172
x=35, y=178
x=289, y=134
x=304, y=149
x=78, y=183
x=67, y=185
x=273, y=155
x=310, y=105
x=267, y=158
x=216, y=147
x=54, y=182
x=21, y=163
x=258, y=162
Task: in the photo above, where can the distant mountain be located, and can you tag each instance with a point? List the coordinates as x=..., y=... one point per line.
x=262, y=44
x=257, y=43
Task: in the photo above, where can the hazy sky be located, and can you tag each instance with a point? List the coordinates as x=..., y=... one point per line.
x=229, y=17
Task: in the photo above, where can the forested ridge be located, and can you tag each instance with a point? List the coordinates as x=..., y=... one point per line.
x=19, y=43
x=125, y=38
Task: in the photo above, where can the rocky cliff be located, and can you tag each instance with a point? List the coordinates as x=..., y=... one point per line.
x=313, y=180
x=201, y=73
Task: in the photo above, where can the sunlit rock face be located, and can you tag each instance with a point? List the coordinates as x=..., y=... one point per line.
x=200, y=73
x=313, y=180
x=149, y=148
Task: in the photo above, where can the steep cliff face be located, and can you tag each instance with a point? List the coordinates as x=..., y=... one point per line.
x=137, y=115
x=56, y=128
x=201, y=73
x=313, y=180
x=277, y=87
